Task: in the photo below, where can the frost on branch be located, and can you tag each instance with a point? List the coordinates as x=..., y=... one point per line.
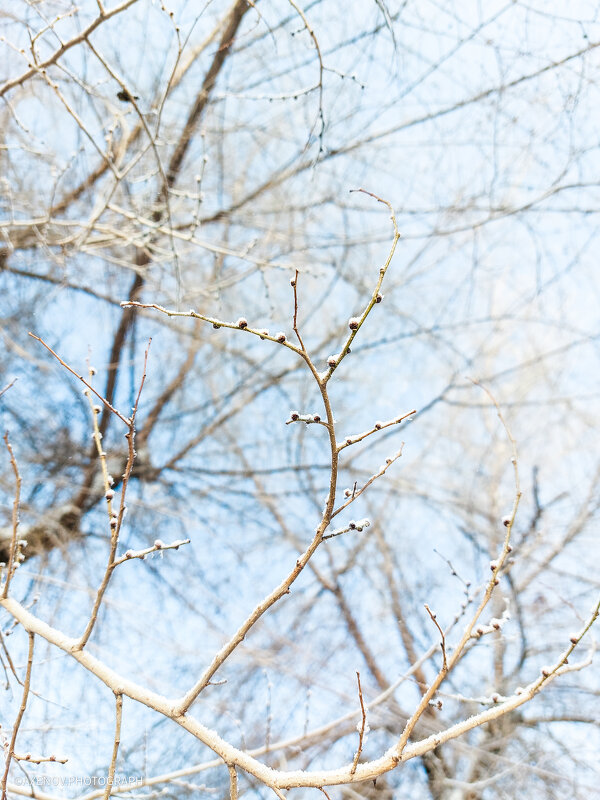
x=306, y=418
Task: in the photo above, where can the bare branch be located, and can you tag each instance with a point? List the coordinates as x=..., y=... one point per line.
x=83, y=380
x=115, y=520
x=117, y=741
x=11, y=747
x=362, y=727
x=443, y=643
x=81, y=37
x=14, y=546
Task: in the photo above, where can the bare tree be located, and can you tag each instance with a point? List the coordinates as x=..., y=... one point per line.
x=366, y=597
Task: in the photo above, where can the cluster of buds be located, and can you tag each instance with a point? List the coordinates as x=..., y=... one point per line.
x=307, y=418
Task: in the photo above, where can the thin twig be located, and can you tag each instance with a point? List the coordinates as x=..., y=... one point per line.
x=116, y=743
x=26, y=685
x=357, y=493
x=379, y=426
x=356, y=323
x=437, y=625
x=115, y=520
x=157, y=547
x=354, y=526
x=294, y=283
x=241, y=324
x=361, y=730
x=82, y=379
x=313, y=36
x=12, y=557
x=8, y=386
x=514, y=460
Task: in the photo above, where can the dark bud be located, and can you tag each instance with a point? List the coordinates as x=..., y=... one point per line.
x=294, y=415
x=379, y=298
x=316, y=418
x=125, y=97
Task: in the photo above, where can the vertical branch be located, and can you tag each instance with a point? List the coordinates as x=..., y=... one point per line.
x=233, y=782
x=443, y=638
x=362, y=727
x=116, y=743
x=496, y=567
x=311, y=33
x=184, y=703
x=120, y=336
x=294, y=283
x=115, y=520
x=13, y=739
x=12, y=558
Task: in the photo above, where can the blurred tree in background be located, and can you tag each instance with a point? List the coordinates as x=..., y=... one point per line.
x=203, y=156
